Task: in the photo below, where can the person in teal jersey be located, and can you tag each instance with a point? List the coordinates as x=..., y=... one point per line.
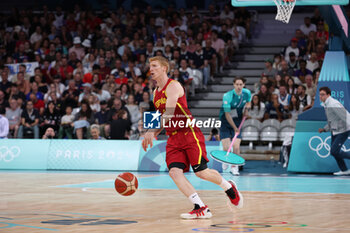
x=234, y=106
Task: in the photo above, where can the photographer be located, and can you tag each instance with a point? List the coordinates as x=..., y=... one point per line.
x=49, y=133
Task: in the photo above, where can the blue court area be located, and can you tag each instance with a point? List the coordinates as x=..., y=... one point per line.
x=249, y=182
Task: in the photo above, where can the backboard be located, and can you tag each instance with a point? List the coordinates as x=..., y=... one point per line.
x=241, y=3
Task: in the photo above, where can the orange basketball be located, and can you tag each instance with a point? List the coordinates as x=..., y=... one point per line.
x=126, y=184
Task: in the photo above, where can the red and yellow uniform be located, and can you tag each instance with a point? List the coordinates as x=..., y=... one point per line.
x=186, y=143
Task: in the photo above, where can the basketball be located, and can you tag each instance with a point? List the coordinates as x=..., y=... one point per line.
x=126, y=184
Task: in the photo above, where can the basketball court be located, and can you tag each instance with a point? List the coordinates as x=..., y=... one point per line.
x=78, y=201
x=87, y=202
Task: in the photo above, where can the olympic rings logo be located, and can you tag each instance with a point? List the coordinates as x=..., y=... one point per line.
x=323, y=148
x=8, y=154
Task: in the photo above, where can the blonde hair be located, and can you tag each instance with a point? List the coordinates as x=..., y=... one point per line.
x=162, y=61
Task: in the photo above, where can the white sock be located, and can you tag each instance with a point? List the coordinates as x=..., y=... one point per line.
x=195, y=199
x=225, y=184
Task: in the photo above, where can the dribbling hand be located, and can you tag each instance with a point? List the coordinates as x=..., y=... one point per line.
x=148, y=140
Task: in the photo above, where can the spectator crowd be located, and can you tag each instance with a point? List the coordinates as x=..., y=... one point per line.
x=91, y=77
x=288, y=83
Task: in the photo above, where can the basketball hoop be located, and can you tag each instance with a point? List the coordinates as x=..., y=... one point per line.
x=284, y=9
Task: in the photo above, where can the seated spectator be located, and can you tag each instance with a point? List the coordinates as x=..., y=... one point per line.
x=274, y=110
x=277, y=59
x=13, y=114
x=283, y=96
x=312, y=64
x=264, y=94
x=4, y=124
x=201, y=64
x=121, y=78
x=104, y=70
x=321, y=33
x=101, y=94
x=293, y=63
x=293, y=47
x=37, y=103
x=285, y=70
x=302, y=72
x=110, y=85
x=187, y=75
x=134, y=111
x=257, y=109
x=310, y=86
x=80, y=68
x=51, y=118
x=305, y=100
x=53, y=90
x=3, y=101
x=29, y=121
x=176, y=75
x=139, y=133
x=86, y=92
x=301, y=42
x=93, y=103
x=269, y=71
x=125, y=91
x=295, y=107
x=83, y=119
x=120, y=125
x=263, y=80
x=146, y=104
x=66, y=127
x=138, y=92
x=95, y=132
x=219, y=46
x=42, y=87
x=291, y=86
x=35, y=91
x=49, y=133
x=307, y=27
x=5, y=85
x=16, y=94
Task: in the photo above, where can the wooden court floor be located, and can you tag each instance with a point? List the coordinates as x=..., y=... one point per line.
x=39, y=202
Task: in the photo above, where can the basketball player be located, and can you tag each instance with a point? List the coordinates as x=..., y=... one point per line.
x=339, y=125
x=231, y=114
x=186, y=145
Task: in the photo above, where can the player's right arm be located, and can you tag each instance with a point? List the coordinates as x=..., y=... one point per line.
x=174, y=91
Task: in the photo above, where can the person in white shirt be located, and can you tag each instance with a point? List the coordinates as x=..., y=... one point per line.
x=13, y=114
x=102, y=95
x=227, y=13
x=338, y=122
x=312, y=64
x=4, y=124
x=36, y=36
x=257, y=109
x=307, y=27
x=293, y=47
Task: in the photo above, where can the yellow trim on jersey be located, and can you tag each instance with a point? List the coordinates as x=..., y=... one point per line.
x=194, y=134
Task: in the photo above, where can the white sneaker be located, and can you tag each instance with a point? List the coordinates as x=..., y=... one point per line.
x=235, y=170
x=197, y=213
x=224, y=166
x=342, y=173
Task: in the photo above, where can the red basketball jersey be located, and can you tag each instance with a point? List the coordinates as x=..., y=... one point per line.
x=182, y=115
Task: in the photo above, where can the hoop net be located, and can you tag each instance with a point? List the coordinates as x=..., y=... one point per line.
x=284, y=9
